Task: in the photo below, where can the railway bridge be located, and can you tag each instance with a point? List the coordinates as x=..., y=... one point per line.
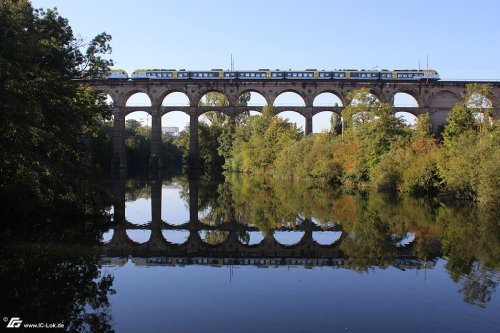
x=433, y=97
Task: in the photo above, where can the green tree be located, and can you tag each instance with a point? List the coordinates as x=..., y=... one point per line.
x=46, y=116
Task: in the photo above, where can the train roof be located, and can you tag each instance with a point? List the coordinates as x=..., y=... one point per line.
x=278, y=70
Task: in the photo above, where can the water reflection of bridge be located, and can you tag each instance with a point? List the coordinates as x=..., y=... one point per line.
x=121, y=245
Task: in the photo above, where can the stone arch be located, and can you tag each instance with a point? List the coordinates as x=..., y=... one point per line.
x=204, y=110
x=256, y=93
x=337, y=95
x=409, y=118
x=406, y=98
x=195, y=101
x=110, y=100
x=175, y=98
x=287, y=94
x=138, y=109
x=444, y=99
x=374, y=94
x=292, y=116
x=321, y=121
x=125, y=98
x=172, y=119
x=479, y=101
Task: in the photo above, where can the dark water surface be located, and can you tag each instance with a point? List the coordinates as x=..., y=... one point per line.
x=243, y=255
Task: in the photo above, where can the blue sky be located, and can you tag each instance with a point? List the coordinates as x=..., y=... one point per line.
x=460, y=37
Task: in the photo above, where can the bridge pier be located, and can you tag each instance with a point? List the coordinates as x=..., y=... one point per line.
x=155, y=160
x=119, y=159
x=309, y=124
x=156, y=238
x=194, y=154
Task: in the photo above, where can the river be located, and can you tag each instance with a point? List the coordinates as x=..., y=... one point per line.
x=248, y=254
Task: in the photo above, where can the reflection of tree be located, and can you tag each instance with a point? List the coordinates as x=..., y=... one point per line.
x=471, y=241
x=214, y=237
x=478, y=285
x=372, y=225
x=41, y=285
x=137, y=188
x=370, y=242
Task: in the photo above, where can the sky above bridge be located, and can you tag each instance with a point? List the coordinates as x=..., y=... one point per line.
x=458, y=37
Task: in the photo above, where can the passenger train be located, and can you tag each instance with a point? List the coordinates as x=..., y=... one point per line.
x=266, y=74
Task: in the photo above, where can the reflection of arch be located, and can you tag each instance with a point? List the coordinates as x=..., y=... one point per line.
x=126, y=97
x=326, y=237
x=288, y=238
x=139, y=236
x=406, y=98
x=444, y=99
x=213, y=237
x=254, y=238
x=176, y=236
x=290, y=91
x=176, y=93
x=107, y=236
x=337, y=95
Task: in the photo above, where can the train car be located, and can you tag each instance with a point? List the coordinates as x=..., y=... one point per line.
x=182, y=74
x=261, y=74
x=112, y=74
x=302, y=75
x=212, y=74
x=266, y=74
x=154, y=74
x=116, y=74
x=413, y=74
x=363, y=75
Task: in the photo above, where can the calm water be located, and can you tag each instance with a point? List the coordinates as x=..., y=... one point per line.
x=246, y=255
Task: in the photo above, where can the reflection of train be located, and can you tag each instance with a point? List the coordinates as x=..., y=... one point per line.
x=266, y=74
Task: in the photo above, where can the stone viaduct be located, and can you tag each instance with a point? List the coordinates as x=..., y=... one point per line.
x=433, y=97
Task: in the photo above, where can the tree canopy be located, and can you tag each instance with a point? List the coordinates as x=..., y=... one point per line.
x=45, y=115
